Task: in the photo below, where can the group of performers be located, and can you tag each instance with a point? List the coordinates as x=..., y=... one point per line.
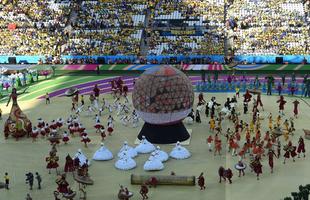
x=255, y=144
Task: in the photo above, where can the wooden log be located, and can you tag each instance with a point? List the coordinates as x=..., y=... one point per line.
x=163, y=179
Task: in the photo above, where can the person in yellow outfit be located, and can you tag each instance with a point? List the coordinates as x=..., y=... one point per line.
x=270, y=121
x=286, y=125
x=278, y=121
x=237, y=91
x=286, y=135
x=212, y=124
x=252, y=126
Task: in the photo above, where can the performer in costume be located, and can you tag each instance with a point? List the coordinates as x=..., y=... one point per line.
x=257, y=166
x=201, y=100
x=296, y=108
x=198, y=120
x=281, y=102
x=209, y=141
x=52, y=161
x=259, y=101
x=301, y=147
x=62, y=184
x=17, y=124
x=96, y=91
x=65, y=137
x=102, y=133
x=69, y=165
x=143, y=191
x=247, y=96
x=240, y=166
x=34, y=134
x=201, y=182
x=271, y=154
x=85, y=139
x=218, y=146
x=290, y=151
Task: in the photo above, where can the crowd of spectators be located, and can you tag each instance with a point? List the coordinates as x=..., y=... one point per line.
x=204, y=44
x=268, y=27
x=103, y=14
x=138, y=27
x=32, y=27
x=103, y=42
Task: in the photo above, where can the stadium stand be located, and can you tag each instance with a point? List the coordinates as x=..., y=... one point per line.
x=154, y=28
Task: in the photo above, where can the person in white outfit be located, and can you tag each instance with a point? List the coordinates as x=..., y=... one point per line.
x=179, y=152
x=130, y=151
x=153, y=164
x=125, y=162
x=103, y=154
x=145, y=146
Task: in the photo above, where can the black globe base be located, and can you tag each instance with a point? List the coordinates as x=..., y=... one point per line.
x=164, y=134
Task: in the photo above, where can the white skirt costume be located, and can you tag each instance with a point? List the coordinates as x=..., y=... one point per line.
x=179, y=152
x=145, y=146
x=103, y=154
x=153, y=164
x=125, y=162
x=130, y=151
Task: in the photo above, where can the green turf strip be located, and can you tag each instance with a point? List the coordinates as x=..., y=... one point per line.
x=104, y=67
x=291, y=67
x=305, y=67
x=120, y=67
x=272, y=67
x=55, y=85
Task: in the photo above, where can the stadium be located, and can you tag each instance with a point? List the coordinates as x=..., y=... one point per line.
x=203, y=99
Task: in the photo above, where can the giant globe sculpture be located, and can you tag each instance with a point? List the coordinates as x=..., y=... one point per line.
x=163, y=96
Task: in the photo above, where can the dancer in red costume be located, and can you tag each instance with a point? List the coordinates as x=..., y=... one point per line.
x=247, y=96
x=209, y=141
x=218, y=146
x=52, y=161
x=201, y=100
x=301, y=147
x=143, y=191
x=295, y=108
x=62, y=184
x=34, y=134
x=259, y=101
x=271, y=154
x=290, y=151
x=85, y=139
x=257, y=166
x=69, y=165
x=96, y=91
x=281, y=102
x=65, y=137
x=201, y=182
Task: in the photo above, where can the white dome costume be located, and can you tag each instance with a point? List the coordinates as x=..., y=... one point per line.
x=179, y=152
x=103, y=153
x=153, y=164
x=130, y=151
x=82, y=158
x=125, y=162
x=145, y=146
x=161, y=155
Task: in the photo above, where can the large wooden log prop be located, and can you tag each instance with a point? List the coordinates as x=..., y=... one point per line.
x=163, y=179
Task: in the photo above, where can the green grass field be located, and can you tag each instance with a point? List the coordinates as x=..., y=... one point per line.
x=58, y=83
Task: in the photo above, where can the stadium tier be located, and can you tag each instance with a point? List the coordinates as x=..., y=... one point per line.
x=155, y=32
